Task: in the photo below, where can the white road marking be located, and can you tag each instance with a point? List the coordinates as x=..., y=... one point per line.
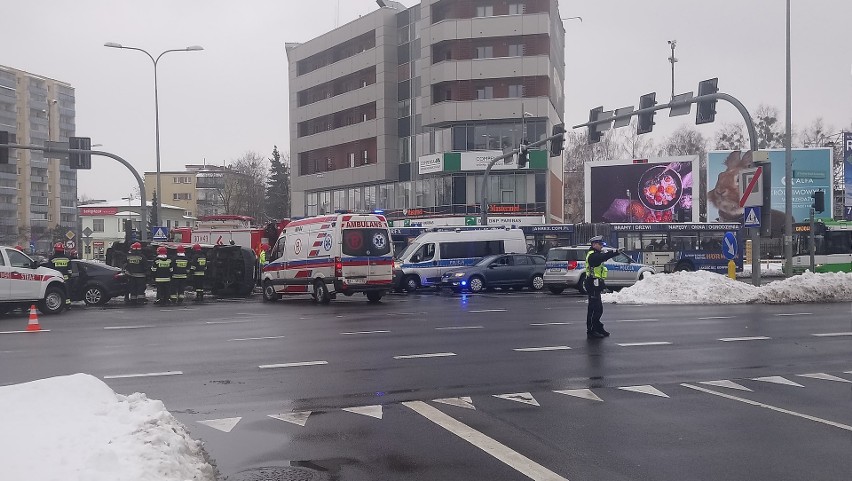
x=256, y=338
x=777, y=380
x=255, y=314
x=644, y=389
x=832, y=334
x=462, y=402
x=824, y=377
x=372, y=411
x=417, y=356
x=514, y=459
x=147, y=374
x=299, y=417
x=293, y=364
x=19, y=332
x=235, y=321
x=550, y=324
x=521, y=397
x=457, y=328
x=126, y=327
x=752, y=338
x=635, y=320
x=544, y=348
x=726, y=383
x=487, y=310
x=581, y=393
x=652, y=343
x=767, y=406
x=795, y=314
x=362, y=332
x=715, y=317
x=224, y=425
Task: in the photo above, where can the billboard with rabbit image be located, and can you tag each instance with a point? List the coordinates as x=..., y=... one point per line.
x=661, y=189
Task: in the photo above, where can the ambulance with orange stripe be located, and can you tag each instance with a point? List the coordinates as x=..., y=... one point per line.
x=323, y=256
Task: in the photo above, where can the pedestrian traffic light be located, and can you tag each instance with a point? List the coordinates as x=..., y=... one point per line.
x=80, y=160
x=646, y=120
x=706, y=112
x=4, y=151
x=819, y=201
x=594, y=134
x=557, y=142
x=523, y=154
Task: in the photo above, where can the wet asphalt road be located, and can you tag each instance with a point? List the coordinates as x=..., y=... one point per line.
x=631, y=407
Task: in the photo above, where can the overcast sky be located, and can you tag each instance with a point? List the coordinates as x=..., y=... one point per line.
x=217, y=104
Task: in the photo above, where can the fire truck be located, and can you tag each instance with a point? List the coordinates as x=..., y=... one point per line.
x=227, y=230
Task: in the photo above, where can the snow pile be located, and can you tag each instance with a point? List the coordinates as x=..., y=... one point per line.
x=75, y=428
x=702, y=287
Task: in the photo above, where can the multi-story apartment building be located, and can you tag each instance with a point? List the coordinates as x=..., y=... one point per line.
x=401, y=109
x=38, y=196
x=199, y=189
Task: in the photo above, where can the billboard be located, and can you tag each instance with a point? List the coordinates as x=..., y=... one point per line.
x=847, y=176
x=811, y=172
x=654, y=190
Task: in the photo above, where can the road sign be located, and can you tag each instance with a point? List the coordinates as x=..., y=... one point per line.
x=69, y=235
x=752, y=193
x=69, y=244
x=751, y=217
x=87, y=232
x=159, y=233
x=49, y=147
x=729, y=246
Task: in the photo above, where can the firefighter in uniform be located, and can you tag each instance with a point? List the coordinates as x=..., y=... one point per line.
x=594, y=284
x=162, y=269
x=198, y=269
x=60, y=262
x=136, y=267
x=179, y=275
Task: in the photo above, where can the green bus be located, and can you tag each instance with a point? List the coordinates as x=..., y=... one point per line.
x=832, y=242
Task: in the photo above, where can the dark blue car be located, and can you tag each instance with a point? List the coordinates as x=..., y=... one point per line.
x=502, y=270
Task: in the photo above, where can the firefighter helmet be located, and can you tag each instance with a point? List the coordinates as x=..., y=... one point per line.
x=136, y=246
x=18, y=247
x=196, y=247
x=161, y=251
x=59, y=247
x=181, y=250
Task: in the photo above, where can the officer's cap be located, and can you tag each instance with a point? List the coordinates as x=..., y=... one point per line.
x=597, y=238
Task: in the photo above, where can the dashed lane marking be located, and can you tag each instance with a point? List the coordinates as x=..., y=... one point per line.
x=293, y=364
x=751, y=338
x=256, y=338
x=543, y=348
x=234, y=321
x=20, y=332
x=481, y=311
x=147, y=374
x=457, y=328
x=832, y=334
x=511, y=458
x=651, y=343
x=418, y=356
x=715, y=317
x=363, y=332
x=550, y=324
x=125, y=327
x=794, y=314
x=767, y=406
x=636, y=320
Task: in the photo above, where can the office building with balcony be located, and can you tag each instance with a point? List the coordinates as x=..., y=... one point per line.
x=401, y=109
x=38, y=196
x=200, y=189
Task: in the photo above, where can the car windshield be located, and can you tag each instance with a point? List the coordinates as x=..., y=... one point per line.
x=566, y=254
x=486, y=260
x=405, y=253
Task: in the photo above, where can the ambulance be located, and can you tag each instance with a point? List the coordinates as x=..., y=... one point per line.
x=333, y=254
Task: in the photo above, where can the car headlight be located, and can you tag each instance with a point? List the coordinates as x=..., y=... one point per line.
x=397, y=265
x=458, y=274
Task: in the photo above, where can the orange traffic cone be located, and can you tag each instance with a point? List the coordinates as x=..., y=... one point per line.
x=33, y=324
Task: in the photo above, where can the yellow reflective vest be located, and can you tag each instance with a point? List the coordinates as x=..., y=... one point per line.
x=596, y=272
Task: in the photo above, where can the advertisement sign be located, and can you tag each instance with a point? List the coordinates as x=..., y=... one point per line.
x=657, y=190
x=428, y=164
x=479, y=160
x=92, y=211
x=847, y=176
x=811, y=172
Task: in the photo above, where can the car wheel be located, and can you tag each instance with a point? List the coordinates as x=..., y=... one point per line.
x=53, y=302
x=556, y=290
x=374, y=296
x=411, y=283
x=321, y=292
x=476, y=284
x=537, y=283
x=269, y=294
x=581, y=284
x=684, y=267
x=94, y=295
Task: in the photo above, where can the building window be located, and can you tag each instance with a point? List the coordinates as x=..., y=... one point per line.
x=181, y=196
x=516, y=50
x=485, y=52
x=483, y=93
x=485, y=11
x=364, y=158
x=516, y=8
x=98, y=225
x=516, y=91
x=351, y=159
x=182, y=180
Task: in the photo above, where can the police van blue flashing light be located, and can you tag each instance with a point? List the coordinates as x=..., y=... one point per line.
x=378, y=211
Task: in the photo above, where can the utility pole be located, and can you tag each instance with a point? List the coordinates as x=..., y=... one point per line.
x=673, y=60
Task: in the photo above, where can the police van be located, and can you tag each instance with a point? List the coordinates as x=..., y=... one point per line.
x=331, y=254
x=435, y=252
x=24, y=282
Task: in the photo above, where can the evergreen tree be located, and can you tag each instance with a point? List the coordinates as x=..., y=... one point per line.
x=152, y=212
x=278, y=186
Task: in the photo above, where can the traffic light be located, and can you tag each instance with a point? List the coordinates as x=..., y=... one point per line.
x=706, y=112
x=4, y=151
x=594, y=134
x=556, y=144
x=523, y=154
x=819, y=201
x=646, y=121
x=79, y=160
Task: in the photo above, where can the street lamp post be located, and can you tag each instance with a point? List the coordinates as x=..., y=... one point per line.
x=191, y=48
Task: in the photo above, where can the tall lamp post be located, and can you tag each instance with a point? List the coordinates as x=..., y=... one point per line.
x=191, y=48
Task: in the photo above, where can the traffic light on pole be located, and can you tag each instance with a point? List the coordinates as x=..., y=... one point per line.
x=557, y=143
x=646, y=121
x=80, y=160
x=706, y=112
x=594, y=134
x=523, y=154
x=819, y=201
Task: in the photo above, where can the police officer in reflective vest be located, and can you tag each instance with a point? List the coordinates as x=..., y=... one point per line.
x=60, y=262
x=136, y=267
x=595, y=285
x=162, y=269
x=198, y=268
x=179, y=274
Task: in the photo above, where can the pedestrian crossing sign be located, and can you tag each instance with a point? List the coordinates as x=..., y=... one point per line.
x=751, y=217
x=160, y=233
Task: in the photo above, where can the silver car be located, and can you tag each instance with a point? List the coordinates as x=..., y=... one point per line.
x=566, y=266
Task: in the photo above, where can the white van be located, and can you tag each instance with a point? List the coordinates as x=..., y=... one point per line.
x=23, y=282
x=326, y=255
x=432, y=253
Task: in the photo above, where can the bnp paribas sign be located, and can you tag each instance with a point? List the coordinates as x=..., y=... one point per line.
x=475, y=161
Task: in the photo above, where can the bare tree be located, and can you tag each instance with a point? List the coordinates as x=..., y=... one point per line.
x=770, y=134
x=731, y=137
x=687, y=140
x=244, y=186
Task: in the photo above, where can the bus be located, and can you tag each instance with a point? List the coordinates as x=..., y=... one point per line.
x=832, y=242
